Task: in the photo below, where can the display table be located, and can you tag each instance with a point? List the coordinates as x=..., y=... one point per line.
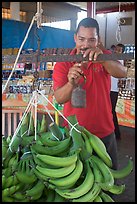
x=126, y=112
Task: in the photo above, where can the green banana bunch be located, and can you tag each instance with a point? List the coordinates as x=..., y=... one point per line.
x=82, y=189
x=125, y=171
x=108, y=179
x=69, y=179
x=58, y=161
x=99, y=147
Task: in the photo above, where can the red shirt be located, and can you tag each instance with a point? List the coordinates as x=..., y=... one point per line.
x=97, y=116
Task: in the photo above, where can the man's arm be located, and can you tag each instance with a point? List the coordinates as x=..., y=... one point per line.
x=115, y=69
x=63, y=94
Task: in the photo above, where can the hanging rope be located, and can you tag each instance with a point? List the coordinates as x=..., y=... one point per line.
x=118, y=30
x=73, y=126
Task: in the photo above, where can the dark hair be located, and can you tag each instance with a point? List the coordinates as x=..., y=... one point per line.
x=121, y=45
x=113, y=46
x=87, y=23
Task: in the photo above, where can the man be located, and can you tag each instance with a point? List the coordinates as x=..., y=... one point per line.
x=97, y=115
x=119, y=48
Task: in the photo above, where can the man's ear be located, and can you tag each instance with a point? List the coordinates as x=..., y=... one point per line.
x=75, y=37
x=99, y=40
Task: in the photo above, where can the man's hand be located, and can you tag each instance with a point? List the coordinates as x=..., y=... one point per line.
x=93, y=53
x=75, y=74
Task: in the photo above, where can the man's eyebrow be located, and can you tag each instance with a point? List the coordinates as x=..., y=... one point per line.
x=84, y=37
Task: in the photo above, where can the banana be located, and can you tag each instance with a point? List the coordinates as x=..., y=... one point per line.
x=58, y=161
x=8, y=139
x=38, y=125
x=36, y=196
x=44, y=124
x=31, y=127
x=42, y=149
x=105, y=197
x=39, y=162
x=4, y=147
x=78, y=141
x=26, y=178
x=39, y=175
x=117, y=189
x=14, y=144
x=8, y=156
x=71, y=178
x=97, y=199
x=10, y=190
x=90, y=195
x=80, y=190
x=46, y=139
x=58, y=198
x=37, y=188
x=50, y=196
x=3, y=181
x=27, y=166
x=56, y=173
x=52, y=186
x=99, y=147
x=27, y=140
x=88, y=146
x=23, y=166
x=12, y=160
x=108, y=179
x=7, y=199
x=125, y=171
x=19, y=167
x=95, y=190
x=11, y=180
x=20, y=196
x=56, y=132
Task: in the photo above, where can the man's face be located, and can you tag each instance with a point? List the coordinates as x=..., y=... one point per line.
x=86, y=38
x=118, y=49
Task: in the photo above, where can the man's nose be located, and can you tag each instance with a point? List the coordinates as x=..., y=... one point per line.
x=86, y=44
